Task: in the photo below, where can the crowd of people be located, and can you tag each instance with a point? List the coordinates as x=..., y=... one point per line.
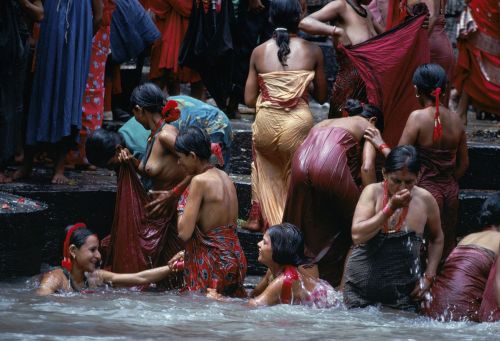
x=364, y=203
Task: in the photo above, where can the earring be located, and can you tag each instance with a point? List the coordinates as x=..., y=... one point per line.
x=417, y=95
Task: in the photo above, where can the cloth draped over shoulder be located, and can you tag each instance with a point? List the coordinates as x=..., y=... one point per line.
x=436, y=176
x=478, y=67
x=322, y=196
x=489, y=310
x=62, y=66
x=386, y=64
x=458, y=290
x=283, y=120
x=137, y=242
x=384, y=271
x=132, y=30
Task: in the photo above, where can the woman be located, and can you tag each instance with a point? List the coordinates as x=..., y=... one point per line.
x=439, y=136
x=457, y=293
x=287, y=281
x=324, y=187
x=80, y=267
x=281, y=70
x=207, y=213
x=387, y=230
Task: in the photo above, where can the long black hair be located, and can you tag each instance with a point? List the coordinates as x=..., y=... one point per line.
x=101, y=146
x=490, y=211
x=149, y=97
x=79, y=236
x=402, y=157
x=285, y=16
x=193, y=139
x=354, y=107
x=287, y=243
x=429, y=77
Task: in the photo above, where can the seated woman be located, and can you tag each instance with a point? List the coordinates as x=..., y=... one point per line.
x=207, y=213
x=457, y=293
x=439, y=136
x=287, y=281
x=387, y=230
x=79, y=270
x=325, y=185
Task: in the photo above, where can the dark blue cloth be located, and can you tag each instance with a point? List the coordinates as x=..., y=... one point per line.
x=132, y=29
x=62, y=65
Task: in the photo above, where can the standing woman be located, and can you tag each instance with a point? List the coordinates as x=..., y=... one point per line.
x=439, y=136
x=281, y=70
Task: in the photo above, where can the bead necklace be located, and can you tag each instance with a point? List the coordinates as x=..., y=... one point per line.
x=396, y=220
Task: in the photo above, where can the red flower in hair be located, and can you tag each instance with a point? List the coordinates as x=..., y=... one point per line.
x=170, y=111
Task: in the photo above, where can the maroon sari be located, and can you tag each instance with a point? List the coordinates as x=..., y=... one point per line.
x=489, y=310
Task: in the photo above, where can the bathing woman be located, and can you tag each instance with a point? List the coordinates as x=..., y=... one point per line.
x=79, y=270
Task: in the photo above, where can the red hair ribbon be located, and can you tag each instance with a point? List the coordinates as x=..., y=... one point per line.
x=438, y=127
x=290, y=275
x=170, y=111
x=66, y=262
x=217, y=151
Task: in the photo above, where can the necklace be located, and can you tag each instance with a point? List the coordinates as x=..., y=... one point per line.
x=155, y=129
x=358, y=9
x=74, y=287
x=396, y=220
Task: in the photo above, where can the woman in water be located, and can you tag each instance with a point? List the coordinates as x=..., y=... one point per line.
x=79, y=269
x=389, y=223
x=281, y=72
x=325, y=184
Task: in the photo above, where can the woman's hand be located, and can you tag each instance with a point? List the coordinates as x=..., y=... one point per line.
x=124, y=155
x=159, y=206
x=421, y=288
x=179, y=257
x=373, y=135
x=400, y=199
x=213, y=294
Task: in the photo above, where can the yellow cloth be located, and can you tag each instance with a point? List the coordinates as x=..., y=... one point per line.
x=277, y=132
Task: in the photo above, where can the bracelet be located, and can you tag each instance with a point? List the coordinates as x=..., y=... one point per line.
x=177, y=190
x=387, y=210
x=430, y=278
x=383, y=146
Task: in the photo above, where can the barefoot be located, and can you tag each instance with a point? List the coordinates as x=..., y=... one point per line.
x=4, y=179
x=59, y=179
x=22, y=172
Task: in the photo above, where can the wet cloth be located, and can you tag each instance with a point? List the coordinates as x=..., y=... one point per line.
x=13, y=64
x=62, y=65
x=386, y=63
x=384, y=271
x=441, y=50
x=436, y=176
x=489, y=310
x=458, y=290
x=214, y=259
x=478, y=67
x=208, y=47
x=132, y=30
x=282, y=122
x=348, y=84
x=323, y=195
x=137, y=242
x=172, y=20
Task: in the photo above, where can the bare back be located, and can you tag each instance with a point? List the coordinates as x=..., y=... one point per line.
x=488, y=239
x=355, y=125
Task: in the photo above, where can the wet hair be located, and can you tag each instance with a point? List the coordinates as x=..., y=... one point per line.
x=193, y=139
x=287, y=243
x=101, y=145
x=490, y=211
x=149, y=97
x=428, y=77
x=402, y=157
x=285, y=16
x=79, y=236
x=354, y=107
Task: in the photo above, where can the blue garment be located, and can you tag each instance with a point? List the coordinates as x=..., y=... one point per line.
x=135, y=137
x=200, y=114
x=132, y=29
x=62, y=67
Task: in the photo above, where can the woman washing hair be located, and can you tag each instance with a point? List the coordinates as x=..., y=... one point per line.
x=281, y=71
x=80, y=267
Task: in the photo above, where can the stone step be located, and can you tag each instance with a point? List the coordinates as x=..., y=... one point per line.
x=483, y=172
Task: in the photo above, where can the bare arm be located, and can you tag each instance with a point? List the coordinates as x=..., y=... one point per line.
x=167, y=138
x=186, y=222
x=50, y=283
x=97, y=9
x=410, y=132
x=139, y=278
x=320, y=85
x=462, y=157
x=34, y=8
x=368, y=175
x=315, y=23
x=270, y=296
x=252, y=85
x=433, y=7
x=264, y=282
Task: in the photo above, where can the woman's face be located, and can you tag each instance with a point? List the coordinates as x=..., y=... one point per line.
x=187, y=162
x=399, y=180
x=140, y=116
x=87, y=257
x=265, y=250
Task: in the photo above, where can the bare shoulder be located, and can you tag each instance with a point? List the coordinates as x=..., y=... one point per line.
x=372, y=190
x=168, y=131
x=424, y=195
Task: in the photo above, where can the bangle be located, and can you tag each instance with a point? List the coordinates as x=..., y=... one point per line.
x=429, y=277
x=387, y=210
x=383, y=146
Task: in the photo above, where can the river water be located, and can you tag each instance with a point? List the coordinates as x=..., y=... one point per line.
x=119, y=314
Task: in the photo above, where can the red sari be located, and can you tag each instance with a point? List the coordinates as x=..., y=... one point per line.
x=489, y=310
